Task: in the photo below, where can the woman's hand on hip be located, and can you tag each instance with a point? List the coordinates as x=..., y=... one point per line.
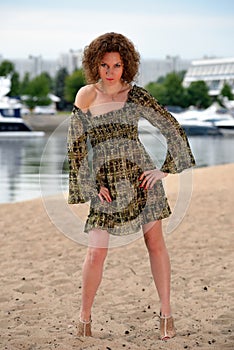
x=149, y=178
x=104, y=194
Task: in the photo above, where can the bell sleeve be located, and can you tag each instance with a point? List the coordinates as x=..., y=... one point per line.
x=82, y=187
x=179, y=155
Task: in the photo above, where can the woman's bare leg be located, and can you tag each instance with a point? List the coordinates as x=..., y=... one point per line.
x=93, y=270
x=160, y=263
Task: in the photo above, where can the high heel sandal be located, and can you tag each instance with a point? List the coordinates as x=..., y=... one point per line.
x=84, y=328
x=167, y=328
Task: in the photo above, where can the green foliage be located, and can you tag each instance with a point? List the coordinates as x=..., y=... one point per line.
x=24, y=84
x=157, y=90
x=59, y=87
x=73, y=83
x=6, y=68
x=37, y=91
x=174, y=90
x=169, y=91
x=227, y=92
x=15, y=85
x=49, y=80
x=198, y=94
x=161, y=79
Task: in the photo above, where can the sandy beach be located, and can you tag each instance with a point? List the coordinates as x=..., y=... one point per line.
x=41, y=278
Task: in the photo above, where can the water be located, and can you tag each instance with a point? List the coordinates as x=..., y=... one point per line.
x=29, y=164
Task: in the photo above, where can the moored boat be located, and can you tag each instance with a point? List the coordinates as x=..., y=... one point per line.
x=11, y=126
x=225, y=126
x=11, y=123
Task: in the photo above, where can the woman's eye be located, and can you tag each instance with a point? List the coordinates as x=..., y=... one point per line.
x=118, y=65
x=103, y=65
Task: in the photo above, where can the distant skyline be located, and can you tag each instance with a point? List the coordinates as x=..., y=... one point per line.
x=158, y=28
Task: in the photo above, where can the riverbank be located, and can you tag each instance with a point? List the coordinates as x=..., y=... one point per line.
x=48, y=123
x=41, y=278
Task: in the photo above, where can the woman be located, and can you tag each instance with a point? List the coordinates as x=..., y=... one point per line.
x=125, y=189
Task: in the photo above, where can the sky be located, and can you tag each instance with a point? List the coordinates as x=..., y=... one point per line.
x=189, y=29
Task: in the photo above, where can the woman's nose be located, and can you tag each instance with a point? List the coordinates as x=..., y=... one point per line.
x=108, y=70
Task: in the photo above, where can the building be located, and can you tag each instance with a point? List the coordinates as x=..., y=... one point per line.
x=71, y=60
x=152, y=69
x=35, y=65
x=215, y=72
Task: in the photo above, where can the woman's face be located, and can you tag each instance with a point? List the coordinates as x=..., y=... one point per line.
x=111, y=68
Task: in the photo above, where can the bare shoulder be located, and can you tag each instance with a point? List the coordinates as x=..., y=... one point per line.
x=85, y=97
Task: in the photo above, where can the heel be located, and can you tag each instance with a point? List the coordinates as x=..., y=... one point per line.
x=167, y=328
x=84, y=328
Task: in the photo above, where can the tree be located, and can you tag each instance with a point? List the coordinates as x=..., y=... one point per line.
x=37, y=92
x=174, y=90
x=50, y=81
x=227, y=91
x=59, y=87
x=24, y=84
x=158, y=91
x=169, y=91
x=73, y=83
x=198, y=94
x=6, y=68
x=15, y=85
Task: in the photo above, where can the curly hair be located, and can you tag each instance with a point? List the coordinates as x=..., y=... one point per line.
x=110, y=42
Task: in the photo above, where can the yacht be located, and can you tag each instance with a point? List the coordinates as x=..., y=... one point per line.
x=193, y=125
x=12, y=126
x=220, y=118
x=225, y=126
x=214, y=120
x=11, y=123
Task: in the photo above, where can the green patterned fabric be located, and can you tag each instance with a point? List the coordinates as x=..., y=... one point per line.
x=105, y=150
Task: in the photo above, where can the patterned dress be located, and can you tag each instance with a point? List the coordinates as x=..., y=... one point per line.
x=105, y=150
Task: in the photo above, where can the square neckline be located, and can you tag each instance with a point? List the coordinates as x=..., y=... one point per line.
x=90, y=115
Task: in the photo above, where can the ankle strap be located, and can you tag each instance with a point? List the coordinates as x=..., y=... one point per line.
x=164, y=317
x=85, y=322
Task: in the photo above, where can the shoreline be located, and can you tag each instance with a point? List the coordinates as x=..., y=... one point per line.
x=48, y=123
x=166, y=181
x=41, y=278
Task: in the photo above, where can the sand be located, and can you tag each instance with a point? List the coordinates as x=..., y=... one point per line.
x=41, y=278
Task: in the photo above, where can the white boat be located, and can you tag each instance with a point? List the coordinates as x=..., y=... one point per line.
x=214, y=120
x=220, y=118
x=12, y=126
x=225, y=126
x=11, y=123
x=193, y=126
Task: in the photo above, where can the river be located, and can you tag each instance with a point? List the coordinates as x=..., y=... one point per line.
x=29, y=164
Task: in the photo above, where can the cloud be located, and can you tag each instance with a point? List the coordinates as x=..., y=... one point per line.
x=52, y=31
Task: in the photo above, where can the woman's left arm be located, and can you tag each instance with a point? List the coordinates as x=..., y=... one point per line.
x=179, y=155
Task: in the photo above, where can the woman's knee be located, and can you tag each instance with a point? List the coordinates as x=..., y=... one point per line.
x=96, y=256
x=154, y=238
